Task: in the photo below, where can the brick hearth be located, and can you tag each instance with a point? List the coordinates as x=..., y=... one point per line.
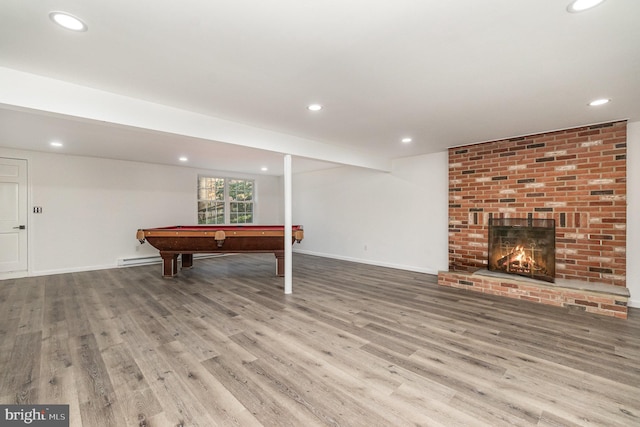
x=578, y=178
x=591, y=297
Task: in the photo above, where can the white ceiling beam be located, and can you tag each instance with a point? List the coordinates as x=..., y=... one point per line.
x=30, y=91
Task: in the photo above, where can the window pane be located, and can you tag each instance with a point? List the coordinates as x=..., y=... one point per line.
x=210, y=188
x=210, y=212
x=241, y=213
x=249, y=190
x=240, y=190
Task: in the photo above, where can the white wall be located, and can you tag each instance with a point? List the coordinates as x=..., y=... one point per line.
x=92, y=207
x=633, y=213
x=396, y=219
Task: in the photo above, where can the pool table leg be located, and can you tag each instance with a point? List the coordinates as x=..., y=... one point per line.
x=279, y=262
x=187, y=260
x=169, y=264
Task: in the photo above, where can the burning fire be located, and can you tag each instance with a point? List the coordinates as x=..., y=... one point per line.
x=517, y=260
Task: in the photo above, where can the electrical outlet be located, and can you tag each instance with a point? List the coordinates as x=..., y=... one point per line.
x=37, y=209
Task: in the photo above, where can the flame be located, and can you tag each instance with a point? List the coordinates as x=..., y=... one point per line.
x=520, y=259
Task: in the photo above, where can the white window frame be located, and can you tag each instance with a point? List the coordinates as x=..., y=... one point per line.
x=227, y=199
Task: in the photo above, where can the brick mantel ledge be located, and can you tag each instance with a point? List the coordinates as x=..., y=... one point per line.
x=608, y=300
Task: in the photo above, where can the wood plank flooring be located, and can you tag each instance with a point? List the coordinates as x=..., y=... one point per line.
x=354, y=345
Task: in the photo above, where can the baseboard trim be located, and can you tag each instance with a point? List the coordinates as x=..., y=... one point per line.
x=370, y=262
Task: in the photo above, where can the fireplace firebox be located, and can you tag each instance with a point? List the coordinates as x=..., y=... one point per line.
x=523, y=246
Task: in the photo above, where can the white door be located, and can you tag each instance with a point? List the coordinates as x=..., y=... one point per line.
x=13, y=215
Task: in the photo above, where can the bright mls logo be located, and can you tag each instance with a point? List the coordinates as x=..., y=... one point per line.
x=34, y=415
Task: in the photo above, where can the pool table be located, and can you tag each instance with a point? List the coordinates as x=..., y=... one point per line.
x=187, y=240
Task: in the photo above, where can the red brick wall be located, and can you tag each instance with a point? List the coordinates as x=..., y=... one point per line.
x=576, y=176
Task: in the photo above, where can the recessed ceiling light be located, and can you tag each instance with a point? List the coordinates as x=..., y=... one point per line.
x=68, y=21
x=314, y=107
x=581, y=5
x=183, y=159
x=599, y=102
x=406, y=140
x=55, y=144
x=264, y=169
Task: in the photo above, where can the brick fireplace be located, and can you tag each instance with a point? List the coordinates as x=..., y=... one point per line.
x=577, y=178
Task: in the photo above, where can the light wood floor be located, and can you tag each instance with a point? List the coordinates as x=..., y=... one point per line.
x=354, y=345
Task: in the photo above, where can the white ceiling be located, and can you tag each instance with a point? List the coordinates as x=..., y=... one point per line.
x=445, y=73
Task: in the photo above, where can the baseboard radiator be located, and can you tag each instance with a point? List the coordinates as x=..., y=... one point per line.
x=155, y=259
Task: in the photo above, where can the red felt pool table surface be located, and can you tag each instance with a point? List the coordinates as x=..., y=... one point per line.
x=186, y=240
x=223, y=227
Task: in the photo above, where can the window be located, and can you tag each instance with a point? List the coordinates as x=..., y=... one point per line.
x=240, y=201
x=225, y=200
